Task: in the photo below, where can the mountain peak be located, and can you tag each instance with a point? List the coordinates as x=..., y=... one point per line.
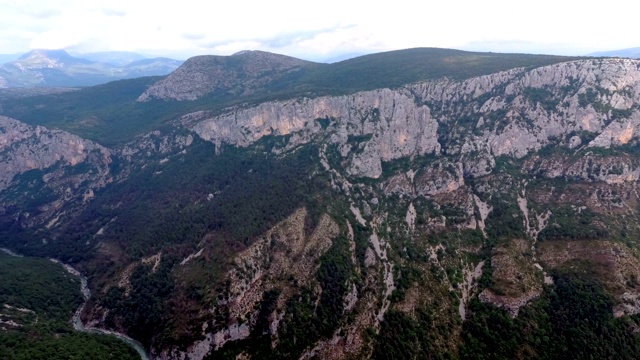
x=46, y=58
x=50, y=53
x=242, y=52
x=242, y=73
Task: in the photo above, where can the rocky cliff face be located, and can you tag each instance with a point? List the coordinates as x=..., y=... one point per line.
x=385, y=124
x=52, y=156
x=27, y=148
x=555, y=122
x=512, y=113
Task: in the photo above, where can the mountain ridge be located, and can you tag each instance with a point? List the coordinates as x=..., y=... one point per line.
x=630, y=53
x=39, y=58
x=117, y=58
x=387, y=69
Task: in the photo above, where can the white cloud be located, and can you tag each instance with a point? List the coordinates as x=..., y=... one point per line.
x=319, y=29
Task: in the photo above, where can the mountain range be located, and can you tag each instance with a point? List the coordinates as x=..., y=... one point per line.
x=56, y=68
x=424, y=203
x=633, y=53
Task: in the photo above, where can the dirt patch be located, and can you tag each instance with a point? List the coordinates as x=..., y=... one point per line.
x=516, y=279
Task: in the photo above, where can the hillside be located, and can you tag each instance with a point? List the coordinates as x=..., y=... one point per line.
x=240, y=74
x=480, y=211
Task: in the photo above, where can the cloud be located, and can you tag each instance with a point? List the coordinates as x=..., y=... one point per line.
x=114, y=12
x=56, y=39
x=325, y=30
x=43, y=13
x=189, y=36
x=293, y=38
x=235, y=46
x=337, y=42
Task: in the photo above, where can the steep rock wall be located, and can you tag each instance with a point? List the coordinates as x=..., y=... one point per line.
x=24, y=148
x=511, y=113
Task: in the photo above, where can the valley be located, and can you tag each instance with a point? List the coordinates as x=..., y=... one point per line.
x=37, y=299
x=425, y=203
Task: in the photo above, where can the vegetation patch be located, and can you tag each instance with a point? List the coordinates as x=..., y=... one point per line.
x=40, y=297
x=571, y=320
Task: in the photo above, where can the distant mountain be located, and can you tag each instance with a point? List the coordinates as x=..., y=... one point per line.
x=153, y=67
x=38, y=59
x=116, y=58
x=633, y=53
x=56, y=68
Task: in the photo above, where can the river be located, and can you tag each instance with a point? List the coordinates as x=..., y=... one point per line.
x=77, y=321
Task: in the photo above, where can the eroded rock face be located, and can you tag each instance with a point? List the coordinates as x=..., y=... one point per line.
x=24, y=148
x=589, y=167
x=284, y=252
x=515, y=276
x=512, y=113
x=66, y=170
x=388, y=125
x=463, y=134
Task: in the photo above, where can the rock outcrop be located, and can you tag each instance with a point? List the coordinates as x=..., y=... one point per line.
x=47, y=173
x=24, y=148
x=383, y=125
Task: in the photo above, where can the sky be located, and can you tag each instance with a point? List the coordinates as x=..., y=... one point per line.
x=324, y=30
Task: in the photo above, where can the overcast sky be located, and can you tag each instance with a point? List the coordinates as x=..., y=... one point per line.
x=316, y=30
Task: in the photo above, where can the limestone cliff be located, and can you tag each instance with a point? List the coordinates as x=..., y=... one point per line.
x=512, y=113
x=54, y=154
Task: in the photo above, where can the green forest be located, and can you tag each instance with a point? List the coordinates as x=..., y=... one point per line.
x=39, y=297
